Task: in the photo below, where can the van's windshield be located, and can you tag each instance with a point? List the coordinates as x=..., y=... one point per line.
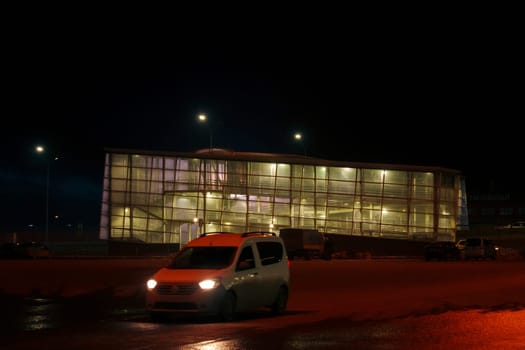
x=203, y=258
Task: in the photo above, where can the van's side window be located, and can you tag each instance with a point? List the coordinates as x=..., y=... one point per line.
x=246, y=259
x=270, y=252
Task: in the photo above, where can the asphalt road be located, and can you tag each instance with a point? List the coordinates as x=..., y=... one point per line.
x=338, y=304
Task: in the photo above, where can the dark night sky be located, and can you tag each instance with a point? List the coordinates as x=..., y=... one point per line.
x=435, y=96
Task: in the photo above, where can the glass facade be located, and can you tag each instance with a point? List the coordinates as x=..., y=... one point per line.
x=172, y=198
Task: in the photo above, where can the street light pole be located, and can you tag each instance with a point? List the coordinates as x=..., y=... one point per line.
x=204, y=119
x=41, y=149
x=47, y=200
x=299, y=137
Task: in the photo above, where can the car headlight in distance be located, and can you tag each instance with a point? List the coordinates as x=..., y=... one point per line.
x=209, y=284
x=151, y=283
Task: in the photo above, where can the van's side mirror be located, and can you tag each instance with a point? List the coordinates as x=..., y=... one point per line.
x=244, y=265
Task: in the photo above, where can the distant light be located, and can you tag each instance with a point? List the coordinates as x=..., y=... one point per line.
x=39, y=149
x=298, y=136
x=202, y=117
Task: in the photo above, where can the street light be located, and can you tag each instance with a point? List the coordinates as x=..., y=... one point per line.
x=299, y=138
x=41, y=149
x=202, y=118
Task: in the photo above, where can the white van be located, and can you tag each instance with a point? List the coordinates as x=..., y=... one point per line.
x=222, y=274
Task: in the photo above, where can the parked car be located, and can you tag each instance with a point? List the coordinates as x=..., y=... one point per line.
x=221, y=274
x=27, y=250
x=517, y=224
x=480, y=248
x=513, y=225
x=441, y=250
x=461, y=244
x=34, y=250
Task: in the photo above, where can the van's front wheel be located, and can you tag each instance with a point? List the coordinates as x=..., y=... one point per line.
x=281, y=301
x=227, y=309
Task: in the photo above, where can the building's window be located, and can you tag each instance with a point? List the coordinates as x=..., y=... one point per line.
x=396, y=177
x=488, y=211
x=399, y=191
x=342, y=174
x=422, y=179
x=506, y=211
x=119, y=160
x=447, y=181
x=373, y=175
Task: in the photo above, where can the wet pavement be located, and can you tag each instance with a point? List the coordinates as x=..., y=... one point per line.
x=49, y=322
x=334, y=305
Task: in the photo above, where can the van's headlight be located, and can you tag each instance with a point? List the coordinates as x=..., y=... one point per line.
x=209, y=284
x=151, y=283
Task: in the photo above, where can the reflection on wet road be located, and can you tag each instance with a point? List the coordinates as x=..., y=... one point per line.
x=40, y=313
x=23, y=314
x=99, y=326
x=378, y=305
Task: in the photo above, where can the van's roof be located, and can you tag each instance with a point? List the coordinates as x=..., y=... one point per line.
x=225, y=239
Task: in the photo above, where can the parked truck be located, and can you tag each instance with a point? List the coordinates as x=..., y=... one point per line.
x=306, y=243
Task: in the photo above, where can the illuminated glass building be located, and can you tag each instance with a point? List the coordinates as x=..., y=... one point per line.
x=161, y=197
